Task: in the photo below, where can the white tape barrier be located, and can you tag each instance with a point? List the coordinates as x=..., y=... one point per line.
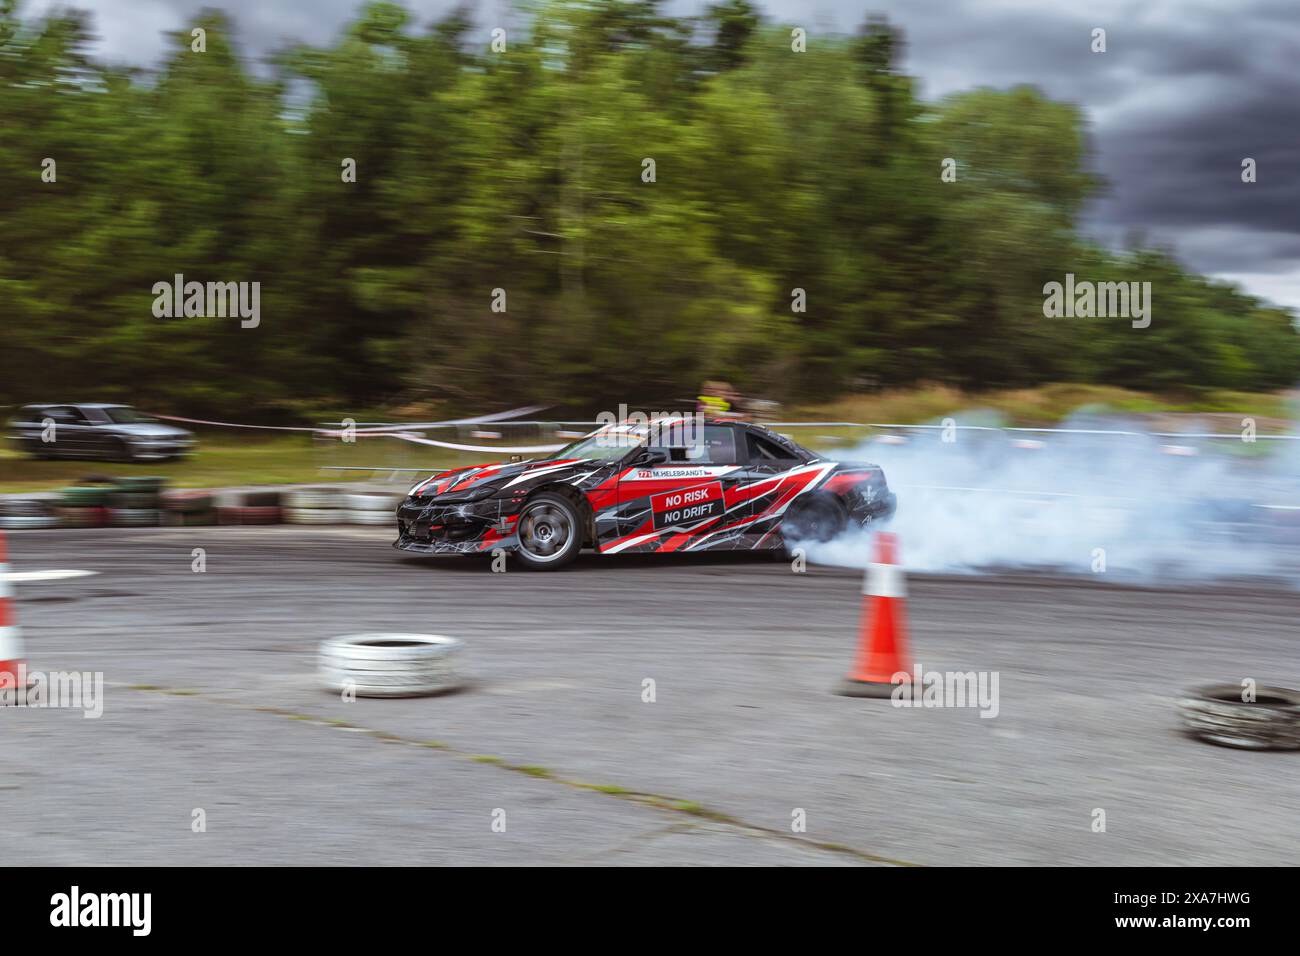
x=476, y=420
x=511, y=417
x=1236, y=436
x=399, y=431
x=378, y=430
x=497, y=449
x=1030, y=493
x=402, y=431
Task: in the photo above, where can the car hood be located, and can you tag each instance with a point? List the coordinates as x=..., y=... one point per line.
x=502, y=474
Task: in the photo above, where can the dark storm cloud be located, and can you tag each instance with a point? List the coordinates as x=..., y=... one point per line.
x=1185, y=91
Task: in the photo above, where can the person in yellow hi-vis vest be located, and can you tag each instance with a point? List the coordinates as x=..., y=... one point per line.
x=719, y=400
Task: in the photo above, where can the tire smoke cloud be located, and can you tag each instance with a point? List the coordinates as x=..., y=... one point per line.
x=1131, y=507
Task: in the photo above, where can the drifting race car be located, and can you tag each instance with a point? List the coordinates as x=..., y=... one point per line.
x=736, y=486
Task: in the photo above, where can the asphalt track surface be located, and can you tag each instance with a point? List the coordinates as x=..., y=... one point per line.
x=212, y=703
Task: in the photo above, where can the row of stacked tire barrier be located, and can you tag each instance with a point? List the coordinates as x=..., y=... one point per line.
x=93, y=502
x=326, y=505
x=140, y=502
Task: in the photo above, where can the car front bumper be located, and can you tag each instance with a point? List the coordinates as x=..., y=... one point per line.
x=149, y=450
x=425, y=526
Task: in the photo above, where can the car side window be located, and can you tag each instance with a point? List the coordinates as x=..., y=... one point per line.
x=761, y=450
x=61, y=416
x=717, y=446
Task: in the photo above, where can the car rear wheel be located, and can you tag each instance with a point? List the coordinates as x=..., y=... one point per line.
x=816, y=519
x=550, y=532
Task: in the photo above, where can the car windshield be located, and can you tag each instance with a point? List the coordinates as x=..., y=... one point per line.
x=608, y=444
x=122, y=415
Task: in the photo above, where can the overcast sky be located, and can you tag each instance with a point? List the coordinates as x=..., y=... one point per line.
x=1185, y=91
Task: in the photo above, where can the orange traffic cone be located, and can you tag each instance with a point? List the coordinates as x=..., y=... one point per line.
x=13, y=669
x=882, y=634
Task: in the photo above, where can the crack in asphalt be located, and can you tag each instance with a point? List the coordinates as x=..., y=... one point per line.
x=657, y=801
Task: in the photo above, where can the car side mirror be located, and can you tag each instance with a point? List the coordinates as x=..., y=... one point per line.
x=651, y=456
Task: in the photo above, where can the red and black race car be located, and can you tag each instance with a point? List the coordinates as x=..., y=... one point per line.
x=730, y=486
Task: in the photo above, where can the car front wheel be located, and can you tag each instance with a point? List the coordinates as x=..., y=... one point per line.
x=550, y=532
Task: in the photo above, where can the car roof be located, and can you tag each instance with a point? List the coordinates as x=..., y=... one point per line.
x=76, y=405
x=760, y=429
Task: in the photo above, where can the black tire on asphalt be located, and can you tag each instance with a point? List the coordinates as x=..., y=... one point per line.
x=550, y=532
x=1219, y=715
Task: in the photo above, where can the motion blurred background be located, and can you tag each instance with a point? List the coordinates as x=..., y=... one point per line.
x=776, y=173
x=522, y=170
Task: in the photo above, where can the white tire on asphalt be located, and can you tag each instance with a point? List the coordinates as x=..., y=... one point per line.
x=311, y=498
x=27, y=522
x=313, y=516
x=391, y=665
x=382, y=501
x=228, y=499
x=27, y=507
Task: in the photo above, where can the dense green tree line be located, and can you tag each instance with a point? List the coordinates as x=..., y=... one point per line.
x=524, y=170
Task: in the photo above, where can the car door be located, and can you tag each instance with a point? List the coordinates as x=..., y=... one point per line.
x=92, y=437
x=687, y=502
x=69, y=431
x=103, y=440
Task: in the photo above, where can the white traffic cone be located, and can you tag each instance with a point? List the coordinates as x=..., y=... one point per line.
x=13, y=667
